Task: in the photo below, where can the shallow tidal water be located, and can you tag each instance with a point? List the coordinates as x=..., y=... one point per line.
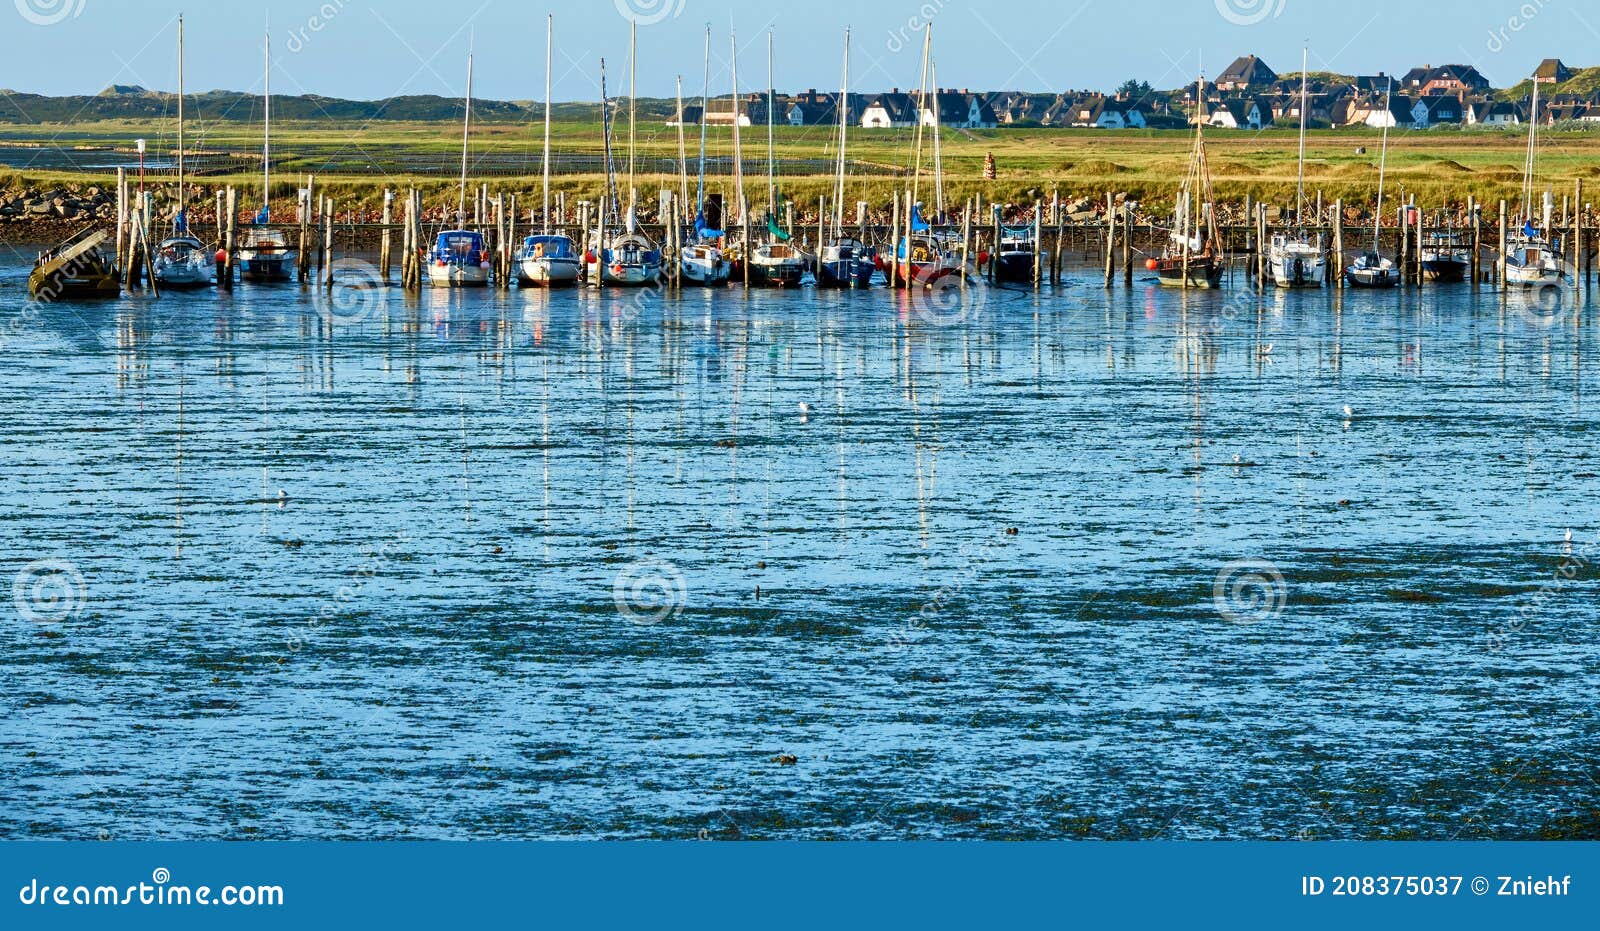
x=578, y=565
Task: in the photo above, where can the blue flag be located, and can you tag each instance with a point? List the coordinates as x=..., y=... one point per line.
x=265, y=216
x=1529, y=231
x=180, y=223
x=918, y=224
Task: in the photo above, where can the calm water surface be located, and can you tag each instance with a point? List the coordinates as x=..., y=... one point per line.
x=534, y=565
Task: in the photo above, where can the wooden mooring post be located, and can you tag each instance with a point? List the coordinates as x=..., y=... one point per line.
x=1111, y=238
x=1500, y=258
x=386, y=238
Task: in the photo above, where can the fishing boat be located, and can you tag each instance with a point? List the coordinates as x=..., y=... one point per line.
x=924, y=256
x=264, y=253
x=181, y=261
x=1445, y=257
x=1532, y=260
x=460, y=258
x=1018, y=253
x=1191, y=257
x=1373, y=269
x=547, y=259
x=701, y=261
x=75, y=269
x=1298, y=259
x=930, y=257
x=778, y=262
x=845, y=262
x=626, y=257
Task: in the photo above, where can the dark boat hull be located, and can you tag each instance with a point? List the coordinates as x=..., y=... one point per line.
x=1444, y=271
x=1016, y=267
x=787, y=275
x=266, y=270
x=846, y=274
x=1204, y=273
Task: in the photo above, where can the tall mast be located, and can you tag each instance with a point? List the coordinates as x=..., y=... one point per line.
x=181, y=202
x=633, y=93
x=466, y=134
x=843, y=106
x=922, y=101
x=605, y=122
x=683, y=154
x=738, y=153
x=1527, y=170
x=938, y=158
x=1383, y=164
x=549, y=36
x=772, y=99
x=705, y=114
x=1300, y=182
x=266, y=136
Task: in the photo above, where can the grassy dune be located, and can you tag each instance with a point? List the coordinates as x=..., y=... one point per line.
x=355, y=162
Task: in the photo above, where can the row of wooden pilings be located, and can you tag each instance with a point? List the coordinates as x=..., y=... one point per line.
x=1112, y=238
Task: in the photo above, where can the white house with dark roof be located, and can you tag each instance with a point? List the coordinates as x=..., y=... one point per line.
x=1238, y=113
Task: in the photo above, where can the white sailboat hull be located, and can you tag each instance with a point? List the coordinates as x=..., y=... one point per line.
x=458, y=276
x=548, y=272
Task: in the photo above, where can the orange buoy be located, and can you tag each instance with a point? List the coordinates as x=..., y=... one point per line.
x=1151, y=264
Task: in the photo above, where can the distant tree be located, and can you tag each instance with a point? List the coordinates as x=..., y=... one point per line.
x=1135, y=89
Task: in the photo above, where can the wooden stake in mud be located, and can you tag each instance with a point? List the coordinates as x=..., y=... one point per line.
x=894, y=250
x=327, y=244
x=1111, y=239
x=1338, y=243
x=1477, y=242
x=1500, y=260
x=122, y=213
x=307, y=217
x=1038, y=242
x=230, y=241
x=386, y=238
x=1127, y=247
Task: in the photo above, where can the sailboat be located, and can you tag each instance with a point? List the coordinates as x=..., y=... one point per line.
x=1191, y=257
x=1532, y=261
x=701, y=260
x=846, y=261
x=777, y=262
x=547, y=259
x=181, y=261
x=629, y=258
x=1373, y=269
x=1298, y=260
x=264, y=253
x=924, y=257
x=460, y=259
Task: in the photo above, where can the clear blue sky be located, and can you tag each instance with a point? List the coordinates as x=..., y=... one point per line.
x=365, y=49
